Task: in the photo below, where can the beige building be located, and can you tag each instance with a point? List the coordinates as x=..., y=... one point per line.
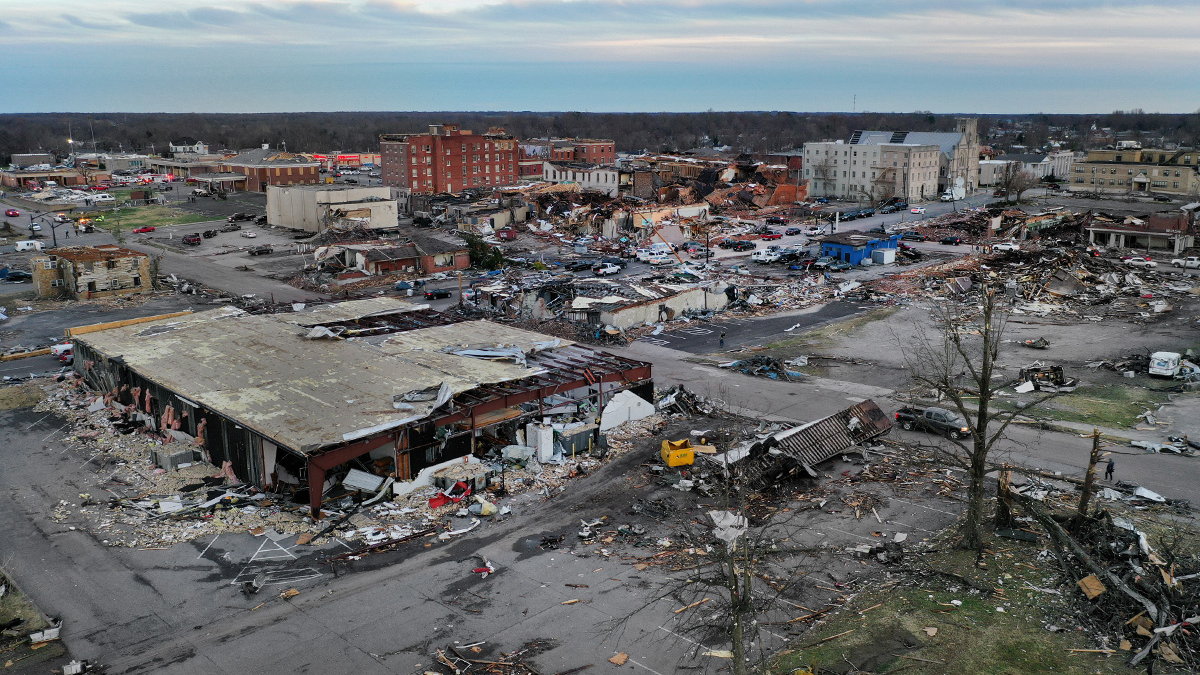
x=1139, y=170
x=880, y=171
x=86, y=272
x=959, y=158
x=314, y=208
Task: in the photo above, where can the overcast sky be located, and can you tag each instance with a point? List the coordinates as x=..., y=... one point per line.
x=593, y=55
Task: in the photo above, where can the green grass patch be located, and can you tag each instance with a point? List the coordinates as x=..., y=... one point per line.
x=889, y=625
x=1108, y=405
x=131, y=217
x=16, y=651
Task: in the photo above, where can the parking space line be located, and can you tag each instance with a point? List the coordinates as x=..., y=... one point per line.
x=644, y=666
x=214, y=540
x=682, y=637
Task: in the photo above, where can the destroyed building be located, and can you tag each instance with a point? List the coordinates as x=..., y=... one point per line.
x=86, y=272
x=295, y=401
x=315, y=208
x=415, y=254
x=1171, y=232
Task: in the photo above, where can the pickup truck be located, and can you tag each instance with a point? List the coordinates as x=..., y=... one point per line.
x=933, y=420
x=1191, y=262
x=191, y=239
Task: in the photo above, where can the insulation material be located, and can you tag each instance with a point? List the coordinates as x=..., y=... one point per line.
x=625, y=406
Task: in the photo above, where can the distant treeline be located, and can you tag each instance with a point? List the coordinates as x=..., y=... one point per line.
x=657, y=132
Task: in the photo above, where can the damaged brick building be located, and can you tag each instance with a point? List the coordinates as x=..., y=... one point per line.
x=86, y=272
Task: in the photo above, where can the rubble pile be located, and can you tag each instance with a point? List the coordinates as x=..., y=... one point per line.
x=1142, y=602
x=765, y=366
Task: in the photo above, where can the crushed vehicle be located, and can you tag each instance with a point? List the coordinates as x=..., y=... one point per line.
x=1038, y=377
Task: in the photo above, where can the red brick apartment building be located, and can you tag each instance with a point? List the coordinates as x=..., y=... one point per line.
x=448, y=159
x=571, y=150
x=264, y=166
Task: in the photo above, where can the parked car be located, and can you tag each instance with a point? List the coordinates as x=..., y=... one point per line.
x=260, y=250
x=147, y=228
x=17, y=276
x=12, y=213
x=1141, y=262
x=35, y=227
x=702, y=253
x=821, y=200
x=248, y=234
x=1005, y=246
x=260, y=220
x=619, y=262
x=239, y=216
x=1161, y=198
x=659, y=259
x=765, y=256
x=776, y=220
x=605, y=269
x=823, y=262
x=814, y=231
x=791, y=231
x=1191, y=262
x=209, y=234
x=579, y=265
x=771, y=235
x=913, y=236
x=933, y=420
x=839, y=266
x=230, y=227
x=438, y=293
x=917, y=209
x=952, y=241
x=888, y=209
x=744, y=245
x=192, y=239
x=802, y=264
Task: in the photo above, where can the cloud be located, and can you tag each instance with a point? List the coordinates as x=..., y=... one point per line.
x=163, y=20
x=216, y=16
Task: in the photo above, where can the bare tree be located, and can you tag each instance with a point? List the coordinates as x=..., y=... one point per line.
x=825, y=174
x=956, y=358
x=1022, y=182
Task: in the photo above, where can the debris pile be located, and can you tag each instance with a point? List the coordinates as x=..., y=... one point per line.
x=765, y=366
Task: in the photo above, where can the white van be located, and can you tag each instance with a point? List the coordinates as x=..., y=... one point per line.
x=29, y=245
x=103, y=198
x=1163, y=364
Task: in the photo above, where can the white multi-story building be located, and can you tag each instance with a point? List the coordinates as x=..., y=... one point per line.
x=873, y=172
x=596, y=178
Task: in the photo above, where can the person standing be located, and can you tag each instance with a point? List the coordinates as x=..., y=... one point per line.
x=722, y=338
x=1108, y=470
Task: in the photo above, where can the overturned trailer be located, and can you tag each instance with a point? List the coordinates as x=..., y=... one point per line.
x=796, y=451
x=294, y=401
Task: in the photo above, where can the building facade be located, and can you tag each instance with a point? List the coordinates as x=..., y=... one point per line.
x=959, y=158
x=86, y=272
x=534, y=151
x=265, y=166
x=448, y=159
x=315, y=208
x=188, y=146
x=1139, y=170
x=605, y=179
x=876, y=171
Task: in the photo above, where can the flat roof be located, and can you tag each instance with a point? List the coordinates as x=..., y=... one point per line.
x=94, y=253
x=306, y=393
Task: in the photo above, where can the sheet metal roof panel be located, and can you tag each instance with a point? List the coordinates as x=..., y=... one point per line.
x=301, y=393
x=827, y=438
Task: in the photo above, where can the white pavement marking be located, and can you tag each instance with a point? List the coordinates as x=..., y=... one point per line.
x=681, y=637
x=207, y=547
x=634, y=662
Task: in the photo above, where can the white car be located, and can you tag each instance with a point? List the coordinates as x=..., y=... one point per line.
x=917, y=209
x=1005, y=246
x=765, y=256
x=660, y=259
x=814, y=231
x=1141, y=262
x=248, y=234
x=606, y=269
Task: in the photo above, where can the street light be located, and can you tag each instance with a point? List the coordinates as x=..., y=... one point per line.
x=50, y=222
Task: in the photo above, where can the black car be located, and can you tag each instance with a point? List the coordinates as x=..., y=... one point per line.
x=261, y=220
x=776, y=220
x=438, y=293
x=793, y=231
x=866, y=213
x=619, y=262
x=18, y=275
x=265, y=249
x=209, y=234
x=580, y=265
x=952, y=241
x=1161, y=198
x=744, y=246
x=913, y=236
x=727, y=243
x=888, y=209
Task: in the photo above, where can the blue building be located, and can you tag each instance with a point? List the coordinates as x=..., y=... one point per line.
x=854, y=247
